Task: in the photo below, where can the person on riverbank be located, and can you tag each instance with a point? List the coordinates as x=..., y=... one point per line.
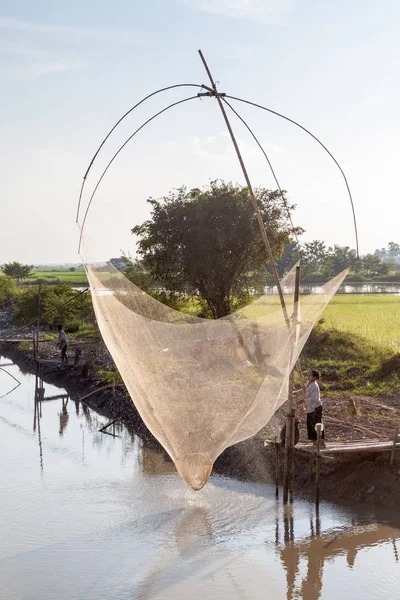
x=63, y=344
x=313, y=406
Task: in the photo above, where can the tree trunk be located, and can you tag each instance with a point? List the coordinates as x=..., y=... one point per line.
x=220, y=307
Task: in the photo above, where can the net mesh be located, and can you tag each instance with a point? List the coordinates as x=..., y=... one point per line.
x=202, y=385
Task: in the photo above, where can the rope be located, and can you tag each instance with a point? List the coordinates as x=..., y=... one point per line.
x=320, y=143
x=116, y=154
x=270, y=166
x=170, y=87
x=15, y=379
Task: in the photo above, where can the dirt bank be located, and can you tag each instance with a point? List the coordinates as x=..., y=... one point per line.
x=366, y=478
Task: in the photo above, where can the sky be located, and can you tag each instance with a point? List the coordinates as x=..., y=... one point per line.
x=70, y=70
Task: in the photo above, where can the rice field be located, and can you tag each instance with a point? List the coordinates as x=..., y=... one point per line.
x=375, y=317
x=64, y=275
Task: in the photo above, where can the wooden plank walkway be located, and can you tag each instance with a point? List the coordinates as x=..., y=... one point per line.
x=54, y=361
x=57, y=397
x=360, y=446
x=345, y=447
x=17, y=340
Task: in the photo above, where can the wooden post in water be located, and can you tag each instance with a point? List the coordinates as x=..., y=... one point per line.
x=290, y=416
x=276, y=468
x=319, y=428
x=393, y=454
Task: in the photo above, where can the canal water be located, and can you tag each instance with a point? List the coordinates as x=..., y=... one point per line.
x=86, y=516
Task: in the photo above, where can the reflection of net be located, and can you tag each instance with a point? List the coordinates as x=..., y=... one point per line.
x=201, y=385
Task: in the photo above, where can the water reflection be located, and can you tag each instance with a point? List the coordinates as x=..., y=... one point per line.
x=318, y=548
x=111, y=515
x=63, y=416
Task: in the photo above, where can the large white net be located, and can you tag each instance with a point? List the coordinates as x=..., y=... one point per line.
x=202, y=385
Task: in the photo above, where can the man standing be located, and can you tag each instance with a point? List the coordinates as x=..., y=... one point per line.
x=63, y=344
x=313, y=406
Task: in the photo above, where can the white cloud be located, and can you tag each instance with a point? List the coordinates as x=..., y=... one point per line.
x=33, y=70
x=32, y=50
x=84, y=33
x=264, y=10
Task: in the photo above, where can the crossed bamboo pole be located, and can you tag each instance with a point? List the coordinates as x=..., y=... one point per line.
x=290, y=414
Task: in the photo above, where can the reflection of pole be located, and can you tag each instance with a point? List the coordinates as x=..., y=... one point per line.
x=396, y=554
x=214, y=92
x=40, y=441
x=34, y=413
x=290, y=416
x=38, y=411
x=318, y=427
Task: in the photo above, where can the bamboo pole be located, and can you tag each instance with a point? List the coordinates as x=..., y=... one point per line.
x=102, y=429
x=289, y=437
x=392, y=456
x=105, y=387
x=318, y=428
x=256, y=208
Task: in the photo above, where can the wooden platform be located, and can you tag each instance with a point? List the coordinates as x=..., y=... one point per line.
x=359, y=446
x=356, y=446
x=16, y=340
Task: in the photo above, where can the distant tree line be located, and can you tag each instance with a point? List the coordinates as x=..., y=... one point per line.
x=390, y=254
x=321, y=261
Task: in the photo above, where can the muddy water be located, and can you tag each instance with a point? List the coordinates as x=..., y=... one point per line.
x=85, y=516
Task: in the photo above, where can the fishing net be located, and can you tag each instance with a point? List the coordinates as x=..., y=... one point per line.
x=202, y=385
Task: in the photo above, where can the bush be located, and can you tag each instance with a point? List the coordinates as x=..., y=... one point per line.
x=109, y=376
x=8, y=289
x=73, y=314
x=73, y=325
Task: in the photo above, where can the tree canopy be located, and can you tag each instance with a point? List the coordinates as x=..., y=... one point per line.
x=17, y=270
x=207, y=242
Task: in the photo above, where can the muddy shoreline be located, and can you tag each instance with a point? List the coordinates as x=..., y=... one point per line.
x=363, y=478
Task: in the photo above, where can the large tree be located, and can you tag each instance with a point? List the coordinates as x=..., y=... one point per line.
x=207, y=241
x=17, y=270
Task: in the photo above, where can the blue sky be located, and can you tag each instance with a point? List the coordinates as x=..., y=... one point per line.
x=69, y=70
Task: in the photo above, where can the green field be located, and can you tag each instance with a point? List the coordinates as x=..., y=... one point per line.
x=374, y=317
x=56, y=276
x=63, y=275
